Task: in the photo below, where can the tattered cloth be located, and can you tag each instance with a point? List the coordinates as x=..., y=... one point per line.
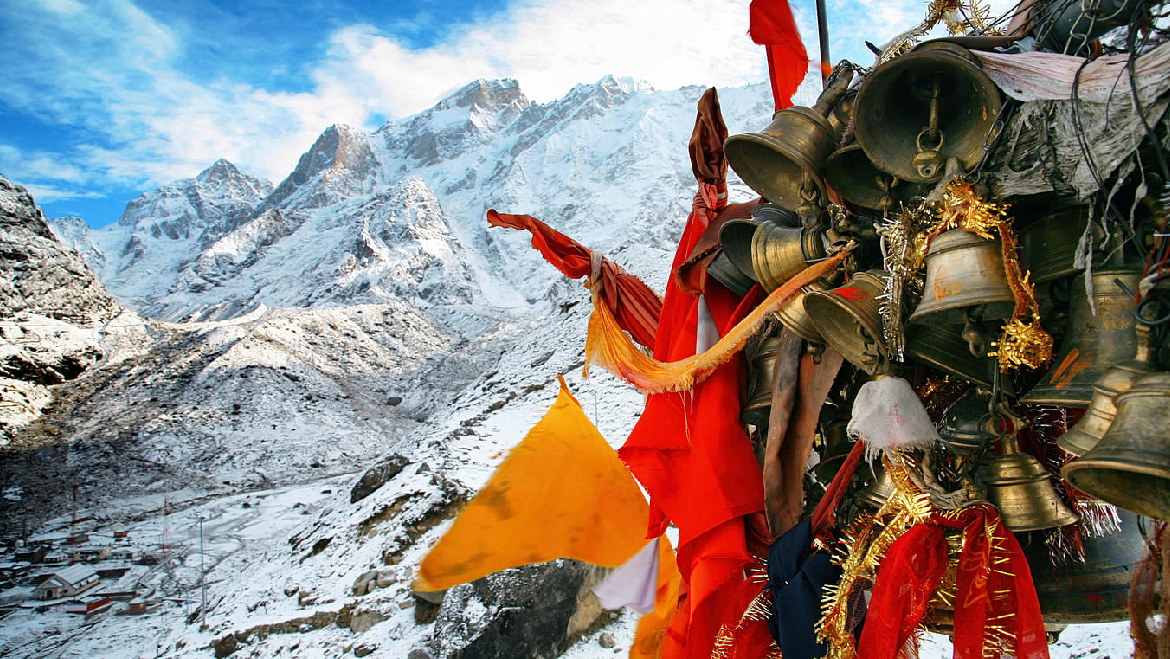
x=635, y=306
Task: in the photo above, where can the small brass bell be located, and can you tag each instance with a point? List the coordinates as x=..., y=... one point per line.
x=1130, y=466
x=779, y=252
x=759, y=405
x=784, y=161
x=724, y=271
x=965, y=279
x=1093, y=342
x=848, y=318
x=1021, y=488
x=1096, y=590
x=1082, y=437
x=794, y=316
x=853, y=176
x=835, y=448
x=732, y=267
x=921, y=109
x=964, y=426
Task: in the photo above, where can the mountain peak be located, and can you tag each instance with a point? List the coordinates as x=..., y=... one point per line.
x=485, y=94
x=220, y=170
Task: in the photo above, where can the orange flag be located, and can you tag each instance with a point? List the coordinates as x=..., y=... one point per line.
x=561, y=493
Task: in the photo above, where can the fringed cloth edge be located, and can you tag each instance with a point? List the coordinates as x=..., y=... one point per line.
x=612, y=349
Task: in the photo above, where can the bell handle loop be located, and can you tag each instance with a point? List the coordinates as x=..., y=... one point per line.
x=928, y=132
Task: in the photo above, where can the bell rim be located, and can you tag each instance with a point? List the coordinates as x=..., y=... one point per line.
x=1075, y=471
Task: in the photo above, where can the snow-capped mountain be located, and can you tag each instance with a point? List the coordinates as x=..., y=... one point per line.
x=399, y=214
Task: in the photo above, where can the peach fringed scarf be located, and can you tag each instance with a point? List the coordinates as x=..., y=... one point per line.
x=610, y=348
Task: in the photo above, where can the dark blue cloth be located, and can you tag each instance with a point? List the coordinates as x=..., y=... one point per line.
x=796, y=577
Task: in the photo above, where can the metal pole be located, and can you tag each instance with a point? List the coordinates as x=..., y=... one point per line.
x=823, y=30
x=203, y=576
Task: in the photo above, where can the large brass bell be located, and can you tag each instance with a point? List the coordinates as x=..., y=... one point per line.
x=1130, y=466
x=849, y=319
x=1021, y=488
x=1120, y=378
x=759, y=404
x=779, y=252
x=724, y=271
x=850, y=172
x=784, y=161
x=965, y=279
x=1093, y=342
x=944, y=347
x=1096, y=590
x=923, y=108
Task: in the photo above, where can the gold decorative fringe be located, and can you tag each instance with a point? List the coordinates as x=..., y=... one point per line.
x=609, y=347
x=903, y=257
x=758, y=610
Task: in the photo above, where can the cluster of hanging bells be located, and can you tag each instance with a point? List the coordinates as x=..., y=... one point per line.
x=878, y=144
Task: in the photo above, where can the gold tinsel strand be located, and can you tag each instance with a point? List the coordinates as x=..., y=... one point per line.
x=861, y=549
x=903, y=262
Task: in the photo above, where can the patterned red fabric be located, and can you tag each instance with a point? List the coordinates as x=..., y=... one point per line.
x=773, y=26
x=995, y=601
x=633, y=304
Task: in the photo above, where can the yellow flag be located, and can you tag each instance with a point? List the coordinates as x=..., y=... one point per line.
x=561, y=493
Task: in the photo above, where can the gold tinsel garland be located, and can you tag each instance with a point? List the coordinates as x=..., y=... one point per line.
x=1024, y=341
x=861, y=548
x=971, y=15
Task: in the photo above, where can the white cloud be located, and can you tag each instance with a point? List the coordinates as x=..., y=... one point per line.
x=47, y=193
x=113, y=69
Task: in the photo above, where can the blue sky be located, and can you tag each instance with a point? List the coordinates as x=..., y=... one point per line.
x=105, y=99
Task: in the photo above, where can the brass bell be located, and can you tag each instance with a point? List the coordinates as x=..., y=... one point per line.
x=1120, y=378
x=848, y=318
x=1093, y=342
x=964, y=426
x=1050, y=243
x=944, y=347
x=853, y=176
x=835, y=447
x=732, y=266
x=876, y=493
x=965, y=279
x=759, y=404
x=1096, y=590
x=784, y=161
x=1130, y=466
x=794, y=316
x=923, y=108
x=1021, y=488
x=779, y=252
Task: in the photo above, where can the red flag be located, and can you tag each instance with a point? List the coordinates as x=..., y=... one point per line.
x=772, y=26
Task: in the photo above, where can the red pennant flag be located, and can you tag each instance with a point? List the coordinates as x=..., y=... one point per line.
x=772, y=26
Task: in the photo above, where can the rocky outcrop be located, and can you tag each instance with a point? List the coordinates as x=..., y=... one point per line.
x=38, y=274
x=533, y=611
x=339, y=164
